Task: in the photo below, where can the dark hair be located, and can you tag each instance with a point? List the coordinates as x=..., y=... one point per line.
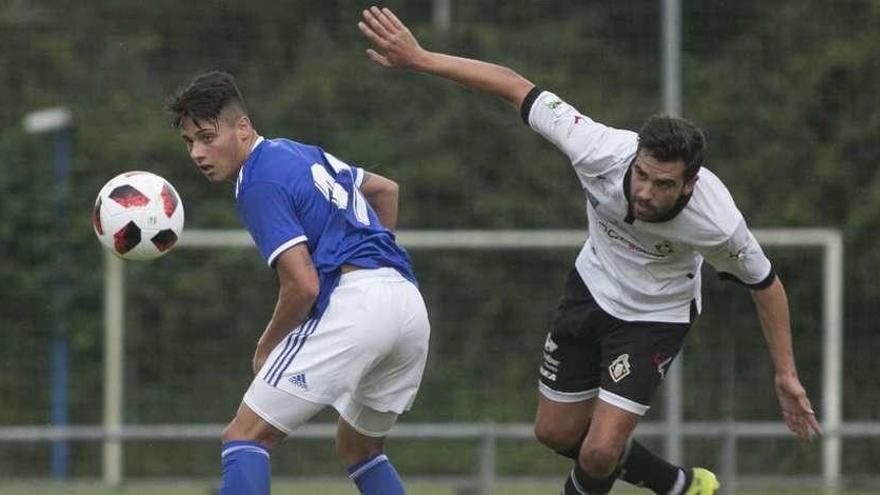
x=669, y=139
x=205, y=98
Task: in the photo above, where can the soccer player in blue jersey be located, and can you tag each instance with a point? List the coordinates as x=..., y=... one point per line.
x=350, y=329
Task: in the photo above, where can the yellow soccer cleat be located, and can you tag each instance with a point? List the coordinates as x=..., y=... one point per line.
x=703, y=483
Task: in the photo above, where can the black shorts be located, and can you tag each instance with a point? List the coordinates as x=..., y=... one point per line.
x=590, y=353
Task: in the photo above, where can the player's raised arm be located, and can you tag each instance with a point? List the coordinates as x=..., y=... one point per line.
x=382, y=194
x=394, y=46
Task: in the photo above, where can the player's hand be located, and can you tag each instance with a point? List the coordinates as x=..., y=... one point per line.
x=393, y=43
x=796, y=408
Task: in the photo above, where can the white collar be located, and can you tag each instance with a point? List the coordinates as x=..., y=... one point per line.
x=241, y=170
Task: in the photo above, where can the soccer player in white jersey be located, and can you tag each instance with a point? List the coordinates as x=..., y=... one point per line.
x=655, y=214
x=350, y=329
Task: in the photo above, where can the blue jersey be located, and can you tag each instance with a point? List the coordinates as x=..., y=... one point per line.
x=288, y=193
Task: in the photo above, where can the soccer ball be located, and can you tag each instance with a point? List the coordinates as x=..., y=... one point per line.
x=138, y=216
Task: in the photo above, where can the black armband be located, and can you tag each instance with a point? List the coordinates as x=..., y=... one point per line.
x=527, y=103
x=763, y=284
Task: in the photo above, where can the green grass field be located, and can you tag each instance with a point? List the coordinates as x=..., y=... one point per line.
x=189, y=488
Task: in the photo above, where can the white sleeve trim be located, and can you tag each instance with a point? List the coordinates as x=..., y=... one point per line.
x=284, y=247
x=358, y=177
x=622, y=402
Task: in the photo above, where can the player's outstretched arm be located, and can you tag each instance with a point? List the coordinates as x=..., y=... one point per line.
x=394, y=46
x=771, y=303
x=383, y=195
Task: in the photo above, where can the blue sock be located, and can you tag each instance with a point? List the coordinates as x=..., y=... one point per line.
x=376, y=476
x=245, y=469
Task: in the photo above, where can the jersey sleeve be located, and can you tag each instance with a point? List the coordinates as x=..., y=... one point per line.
x=741, y=259
x=270, y=217
x=592, y=148
x=339, y=166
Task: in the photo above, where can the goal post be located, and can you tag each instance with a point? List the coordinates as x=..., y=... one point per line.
x=828, y=240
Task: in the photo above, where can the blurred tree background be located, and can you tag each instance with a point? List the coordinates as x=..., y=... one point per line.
x=786, y=91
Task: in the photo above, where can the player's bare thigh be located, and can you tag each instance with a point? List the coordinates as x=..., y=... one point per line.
x=247, y=425
x=559, y=425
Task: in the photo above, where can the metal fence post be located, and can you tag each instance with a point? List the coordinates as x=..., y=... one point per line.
x=673, y=420
x=832, y=362
x=488, y=459
x=670, y=25
x=728, y=458
x=114, y=300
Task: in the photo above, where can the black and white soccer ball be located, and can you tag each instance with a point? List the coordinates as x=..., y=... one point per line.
x=138, y=216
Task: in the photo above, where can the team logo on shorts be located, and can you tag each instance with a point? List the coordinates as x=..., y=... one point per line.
x=619, y=368
x=299, y=380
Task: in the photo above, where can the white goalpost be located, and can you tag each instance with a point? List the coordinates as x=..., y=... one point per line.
x=673, y=428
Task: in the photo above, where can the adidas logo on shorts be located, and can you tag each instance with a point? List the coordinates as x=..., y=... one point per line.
x=299, y=380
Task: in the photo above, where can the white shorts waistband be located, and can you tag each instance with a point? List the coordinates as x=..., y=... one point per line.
x=370, y=274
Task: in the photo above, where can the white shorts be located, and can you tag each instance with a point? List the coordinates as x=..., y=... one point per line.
x=367, y=350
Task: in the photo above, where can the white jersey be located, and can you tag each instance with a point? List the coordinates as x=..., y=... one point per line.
x=643, y=271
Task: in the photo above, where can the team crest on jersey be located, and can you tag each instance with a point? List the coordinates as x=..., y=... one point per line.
x=664, y=248
x=549, y=345
x=619, y=368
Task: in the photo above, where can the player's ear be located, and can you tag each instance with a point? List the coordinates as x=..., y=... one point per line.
x=243, y=127
x=689, y=185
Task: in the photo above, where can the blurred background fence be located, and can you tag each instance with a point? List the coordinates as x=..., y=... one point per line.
x=785, y=90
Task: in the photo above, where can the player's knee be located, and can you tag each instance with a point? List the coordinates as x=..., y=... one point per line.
x=598, y=461
x=555, y=437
